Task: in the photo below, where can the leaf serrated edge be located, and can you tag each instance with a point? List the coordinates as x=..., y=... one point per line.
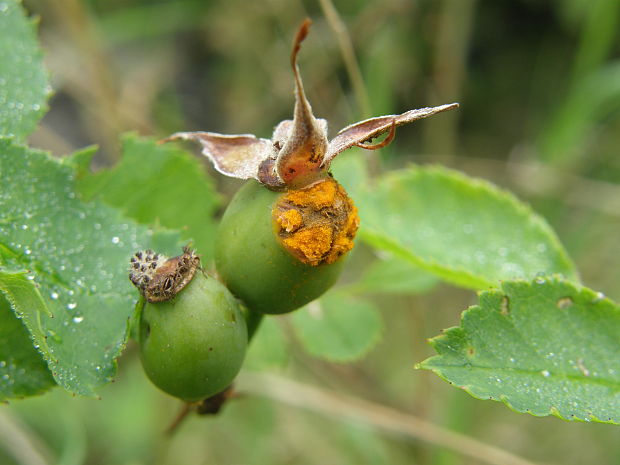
x=458, y=275
x=455, y=275
x=68, y=164
x=504, y=400
x=436, y=341
x=36, y=332
x=33, y=22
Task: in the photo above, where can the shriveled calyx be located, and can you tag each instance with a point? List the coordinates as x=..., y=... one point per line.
x=299, y=152
x=316, y=224
x=159, y=278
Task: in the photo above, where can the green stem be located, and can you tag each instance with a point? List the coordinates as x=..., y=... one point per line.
x=253, y=320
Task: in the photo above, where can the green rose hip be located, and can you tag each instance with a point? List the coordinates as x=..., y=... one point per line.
x=277, y=251
x=279, y=243
x=192, y=331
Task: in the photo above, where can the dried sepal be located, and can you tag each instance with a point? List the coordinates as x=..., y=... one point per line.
x=237, y=156
x=159, y=278
x=299, y=161
x=360, y=132
x=379, y=145
x=299, y=154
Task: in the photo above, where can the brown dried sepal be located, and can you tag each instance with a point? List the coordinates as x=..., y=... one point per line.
x=159, y=279
x=316, y=224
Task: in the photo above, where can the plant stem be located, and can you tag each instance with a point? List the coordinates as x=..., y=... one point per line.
x=343, y=407
x=253, y=320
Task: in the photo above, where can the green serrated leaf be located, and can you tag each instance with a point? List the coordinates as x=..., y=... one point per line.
x=24, y=86
x=465, y=230
x=268, y=348
x=78, y=254
x=547, y=347
x=157, y=184
x=23, y=372
x=338, y=327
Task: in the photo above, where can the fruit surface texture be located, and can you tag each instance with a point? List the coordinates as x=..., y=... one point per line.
x=193, y=345
x=277, y=251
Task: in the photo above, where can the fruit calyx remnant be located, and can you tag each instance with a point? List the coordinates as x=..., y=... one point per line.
x=159, y=278
x=299, y=152
x=316, y=224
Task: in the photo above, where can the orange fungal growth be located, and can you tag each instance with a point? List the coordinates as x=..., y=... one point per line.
x=290, y=220
x=318, y=196
x=343, y=242
x=313, y=243
x=316, y=224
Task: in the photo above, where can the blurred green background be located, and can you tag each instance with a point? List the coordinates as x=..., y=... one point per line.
x=539, y=88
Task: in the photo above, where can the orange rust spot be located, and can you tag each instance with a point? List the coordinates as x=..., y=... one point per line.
x=318, y=196
x=313, y=243
x=343, y=242
x=316, y=224
x=290, y=220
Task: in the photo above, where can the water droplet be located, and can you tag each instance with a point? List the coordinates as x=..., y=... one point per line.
x=2, y=364
x=5, y=376
x=78, y=319
x=54, y=295
x=545, y=373
x=24, y=227
x=540, y=280
x=512, y=360
x=71, y=305
x=599, y=296
x=116, y=240
x=27, y=251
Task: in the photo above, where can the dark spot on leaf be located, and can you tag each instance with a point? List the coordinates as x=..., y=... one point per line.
x=564, y=303
x=505, y=306
x=470, y=351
